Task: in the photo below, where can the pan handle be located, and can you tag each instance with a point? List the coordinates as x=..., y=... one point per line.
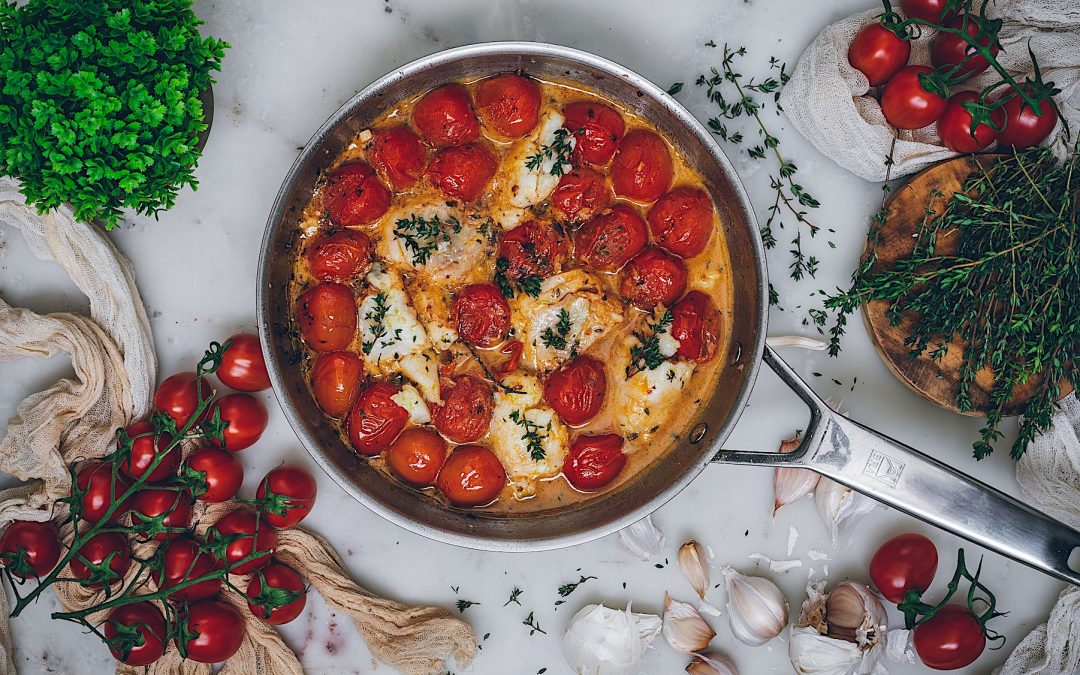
x=919, y=485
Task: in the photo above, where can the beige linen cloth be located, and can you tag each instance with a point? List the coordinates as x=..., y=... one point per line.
x=115, y=367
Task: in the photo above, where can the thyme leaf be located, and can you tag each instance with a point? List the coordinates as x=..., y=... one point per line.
x=646, y=354
x=377, y=316
x=532, y=435
x=559, y=150
x=422, y=236
x=556, y=339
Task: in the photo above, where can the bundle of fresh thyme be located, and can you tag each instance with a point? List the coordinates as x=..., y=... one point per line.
x=1010, y=293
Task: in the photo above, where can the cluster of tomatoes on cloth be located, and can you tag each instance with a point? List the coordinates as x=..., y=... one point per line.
x=916, y=96
x=145, y=492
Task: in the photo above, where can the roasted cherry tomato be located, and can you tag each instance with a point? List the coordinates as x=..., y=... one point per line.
x=354, y=195
x=289, y=494
x=258, y=536
x=29, y=548
x=904, y=563
x=100, y=491
x=927, y=10
x=340, y=257
x=682, y=221
x=465, y=415
x=335, y=381
x=110, y=546
x=327, y=317
x=376, y=420
x=654, y=278
x=597, y=130
x=580, y=195
x=146, y=644
x=247, y=418
x=950, y=639
x=576, y=391
x=594, y=461
x=445, y=116
x=177, y=397
x=906, y=104
x=417, y=455
x=642, y=168
x=217, y=630
x=219, y=471
x=696, y=325
x=398, y=154
x=144, y=451
x=508, y=104
x=954, y=126
x=532, y=249
x=471, y=476
x=612, y=238
x=186, y=560
x=463, y=171
x=1024, y=126
x=951, y=50
x=276, y=594
x=153, y=503
x=481, y=315
x=878, y=54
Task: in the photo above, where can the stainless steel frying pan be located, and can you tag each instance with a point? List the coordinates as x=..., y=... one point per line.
x=833, y=446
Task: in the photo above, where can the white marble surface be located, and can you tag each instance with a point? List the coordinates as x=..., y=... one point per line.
x=292, y=64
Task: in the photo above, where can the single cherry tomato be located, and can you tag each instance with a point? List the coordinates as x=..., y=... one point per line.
x=951, y=639
x=906, y=104
x=247, y=418
x=580, y=195
x=417, y=455
x=146, y=644
x=471, y=476
x=335, y=381
x=682, y=221
x=654, y=278
x=878, y=53
x=219, y=472
x=398, y=154
x=354, y=195
x=954, y=126
x=340, y=257
x=696, y=325
x=88, y=564
x=29, y=548
x=532, y=249
x=904, y=563
x=172, y=507
x=445, y=116
x=144, y=450
x=465, y=415
x=276, y=594
x=100, y=490
x=1025, y=126
x=576, y=391
x=242, y=366
x=258, y=536
x=217, y=630
x=289, y=494
x=594, y=461
x=481, y=315
x=952, y=50
x=463, y=171
x=612, y=238
x=186, y=560
x=376, y=420
x=597, y=130
x=642, y=169
x=327, y=317
x=509, y=104
x=177, y=397
x=927, y=10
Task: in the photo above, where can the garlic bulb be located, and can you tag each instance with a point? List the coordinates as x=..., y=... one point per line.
x=694, y=563
x=840, y=507
x=642, y=538
x=791, y=484
x=711, y=663
x=603, y=641
x=757, y=610
x=684, y=628
x=841, y=633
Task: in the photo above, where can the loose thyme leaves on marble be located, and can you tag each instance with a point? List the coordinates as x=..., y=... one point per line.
x=514, y=595
x=533, y=626
x=567, y=589
x=463, y=605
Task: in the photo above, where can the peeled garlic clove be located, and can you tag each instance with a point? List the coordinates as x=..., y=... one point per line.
x=757, y=610
x=694, y=563
x=840, y=507
x=711, y=663
x=642, y=538
x=684, y=628
x=790, y=484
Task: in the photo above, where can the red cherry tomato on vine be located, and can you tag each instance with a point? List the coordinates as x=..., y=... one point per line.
x=597, y=130
x=376, y=419
x=906, y=104
x=594, y=461
x=177, y=397
x=653, y=278
x=481, y=315
x=576, y=391
x=174, y=505
x=147, y=644
x=102, y=490
x=30, y=548
x=611, y=239
x=642, y=169
x=445, y=116
x=904, y=563
x=878, y=53
x=111, y=546
x=927, y=10
x=417, y=455
x=247, y=418
x=471, y=476
x=290, y=494
x=276, y=594
x=1024, y=126
x=242, y=366
x=465, y=415
x=509, y=104
x=220, y=472
x=399, y=155
x=257, y=536
x=218, y=631
x=696, y=325
x=144, y=451
x=335, y=381
x=327, y=317
x=462, y=172
x=954, y=126
x=184, y=561
x=951, y=639
x=951, y=50
x=354, y=195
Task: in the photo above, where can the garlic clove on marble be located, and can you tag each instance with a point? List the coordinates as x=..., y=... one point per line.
x=604, y=640
x=791, y=484
x=642, y=538
x=694, y=563
x=757, y=610
x=840, y=507
x=711, y=663
x=840, y=632
x=684, y=627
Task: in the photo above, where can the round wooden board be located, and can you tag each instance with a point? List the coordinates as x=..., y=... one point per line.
x=938, y=380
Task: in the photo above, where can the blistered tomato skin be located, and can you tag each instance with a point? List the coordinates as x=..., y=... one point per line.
x=611, y=239
x=597, y=130
x=376, y=419
x=654, y=278
x=508, y=104
x=580, y=195
x=416, y=456
x=399, y=155
x=532, y=249
x=445, y=117
x=642, y=169
x=682, y=221
x=696, y=325
x=471, y=476
x=335, y=381
x=354, y=195
x=463, y=172
x=576, y=391
x=340, y=257
x=465, y=414
x=594, y=461
x=481, y=315
x=327, y=317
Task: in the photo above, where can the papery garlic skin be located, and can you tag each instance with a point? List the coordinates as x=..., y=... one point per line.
x=813, y=652
x=711, y=663
x=791, y=484
x=642, y=538
x=684, y=627
x=604, y=641
x=840, y=507
x=694, y=563
x=757, y=610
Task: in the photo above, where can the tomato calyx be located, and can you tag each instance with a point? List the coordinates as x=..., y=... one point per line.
x=276, y=503
x=271, y=597
x=17, y=566
x=211, y=360
x=127, y=638
x=100, y=574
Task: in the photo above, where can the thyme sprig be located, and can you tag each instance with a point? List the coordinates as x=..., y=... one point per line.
x=377, y=318
x=558, y=151
x=509, y=284
x=646, y=354
x=422, y=236
x=532, y=436
x=556, y=338
x=534, y=627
